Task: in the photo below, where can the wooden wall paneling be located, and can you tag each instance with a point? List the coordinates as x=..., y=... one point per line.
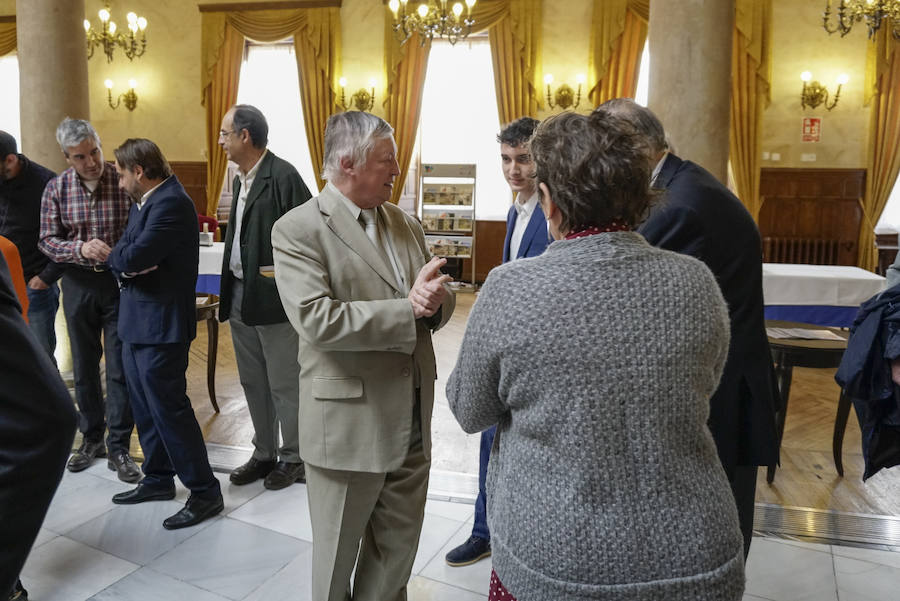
x=489, y=237
x=192, y=175
x=805, y=208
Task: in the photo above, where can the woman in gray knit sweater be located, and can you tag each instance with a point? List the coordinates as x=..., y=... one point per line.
x=597, y=360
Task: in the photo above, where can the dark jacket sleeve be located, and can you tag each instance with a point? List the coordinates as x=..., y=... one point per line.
x=37, y=425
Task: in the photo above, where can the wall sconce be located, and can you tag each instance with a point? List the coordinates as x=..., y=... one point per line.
x=362, y=100
x=814, y=93
x=109, y=39
x=129, y=97
x=564, y=96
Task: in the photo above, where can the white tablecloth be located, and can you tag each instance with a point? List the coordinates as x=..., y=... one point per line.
x=211, y=259
x=829, y=285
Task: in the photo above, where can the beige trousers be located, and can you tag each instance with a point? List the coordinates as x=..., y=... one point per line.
x=384, y=510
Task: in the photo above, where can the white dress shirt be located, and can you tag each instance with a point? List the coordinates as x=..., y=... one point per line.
x=235, y=264
x=524, y=209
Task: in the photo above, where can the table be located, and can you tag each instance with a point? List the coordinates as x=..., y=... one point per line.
x=210, y=268
x=827, y=295
x=208, y=280
x=790, y=353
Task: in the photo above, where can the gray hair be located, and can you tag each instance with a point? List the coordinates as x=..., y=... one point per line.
x=249, y=117
x=641, y=118
x=72, y=132
x=351, y=134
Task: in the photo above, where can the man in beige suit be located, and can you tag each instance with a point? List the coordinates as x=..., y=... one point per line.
x=355, y=278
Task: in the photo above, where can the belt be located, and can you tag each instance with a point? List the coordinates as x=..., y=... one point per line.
x=89, y=268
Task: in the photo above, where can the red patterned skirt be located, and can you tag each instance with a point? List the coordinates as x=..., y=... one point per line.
x=497, y=591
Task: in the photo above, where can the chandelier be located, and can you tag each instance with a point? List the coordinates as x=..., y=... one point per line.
x=874, y=12
x=109, y=39
x=432, y=19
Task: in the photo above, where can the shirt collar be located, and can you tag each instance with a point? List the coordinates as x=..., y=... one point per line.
x=351, y=206
x=252, y=173
x=526, y=208
x=147, y=194
x=658, y=168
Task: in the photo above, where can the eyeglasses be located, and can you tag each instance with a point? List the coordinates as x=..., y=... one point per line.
x=225, y=134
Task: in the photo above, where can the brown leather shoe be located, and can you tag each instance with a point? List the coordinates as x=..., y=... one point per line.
x=251, y=471
x=284, y=475
x=84, y=456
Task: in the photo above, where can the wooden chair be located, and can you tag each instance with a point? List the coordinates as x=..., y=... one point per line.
x=208, y=311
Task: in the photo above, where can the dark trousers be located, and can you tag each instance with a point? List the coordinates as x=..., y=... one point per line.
x=91, y=306
x=480, y=527
x=169, y=433
x=743, y=487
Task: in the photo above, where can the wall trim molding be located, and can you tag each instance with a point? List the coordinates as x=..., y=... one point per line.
x=273, y=5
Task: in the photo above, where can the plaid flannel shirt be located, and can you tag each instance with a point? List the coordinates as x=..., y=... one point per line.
x=72, y=215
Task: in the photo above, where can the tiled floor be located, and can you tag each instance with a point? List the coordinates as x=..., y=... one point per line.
x=259, y=549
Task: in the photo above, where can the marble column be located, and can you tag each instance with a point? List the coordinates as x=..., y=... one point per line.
x=690, y=77
x=53, y=74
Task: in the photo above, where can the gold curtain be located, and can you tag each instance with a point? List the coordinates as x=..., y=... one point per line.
x=514, y=31
x=515, y=37
x=618, y=34
x=219, y=94
x=316, y=33
x=406, y=66
x=750, y=77
x=883, y=160
x=7, y=37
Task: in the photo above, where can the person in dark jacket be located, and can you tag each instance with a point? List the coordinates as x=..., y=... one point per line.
x=22, y=183
x=155, y=261
x=868, y=374
x=265, y=344
x=37, y=426
x=700, y=217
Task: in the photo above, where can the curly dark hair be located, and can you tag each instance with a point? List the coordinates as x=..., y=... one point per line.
x=517, y=132
x=596, y=169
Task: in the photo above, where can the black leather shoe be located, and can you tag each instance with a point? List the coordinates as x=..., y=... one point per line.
x=195, y=511
x=121, y=462
x=284, y=475
x=474, y=549
x=143, y=493
x=251, y=471
x=84, y=456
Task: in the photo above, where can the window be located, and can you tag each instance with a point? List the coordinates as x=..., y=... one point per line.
x=459, y=121
x=643, y=83
x=9, y=99
x=890, y=217
x=269, y=81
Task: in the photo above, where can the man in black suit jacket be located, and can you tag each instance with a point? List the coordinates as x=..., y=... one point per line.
x=699, y=216
x=37, y=425
x=156, y=262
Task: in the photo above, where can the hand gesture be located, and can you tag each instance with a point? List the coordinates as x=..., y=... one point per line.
x=95, y=249
x=428, y=292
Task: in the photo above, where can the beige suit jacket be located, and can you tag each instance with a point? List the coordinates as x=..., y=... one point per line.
x=362, y=353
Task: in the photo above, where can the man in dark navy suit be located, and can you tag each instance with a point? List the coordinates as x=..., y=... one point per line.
x=156, y=262
x=526, y=236
x=700, y=217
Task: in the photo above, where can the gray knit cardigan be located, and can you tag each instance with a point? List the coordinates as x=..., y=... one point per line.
x=597, y=360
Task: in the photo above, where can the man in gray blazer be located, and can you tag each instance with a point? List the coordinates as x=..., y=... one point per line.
x=355, y=278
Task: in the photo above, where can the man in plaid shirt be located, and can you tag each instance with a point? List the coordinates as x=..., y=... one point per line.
x=83, y=215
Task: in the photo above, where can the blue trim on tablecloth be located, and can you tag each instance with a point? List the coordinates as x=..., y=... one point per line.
x=820, y=315
x=208, y=283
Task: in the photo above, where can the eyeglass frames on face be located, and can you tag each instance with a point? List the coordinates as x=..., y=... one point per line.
x=225, y=134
